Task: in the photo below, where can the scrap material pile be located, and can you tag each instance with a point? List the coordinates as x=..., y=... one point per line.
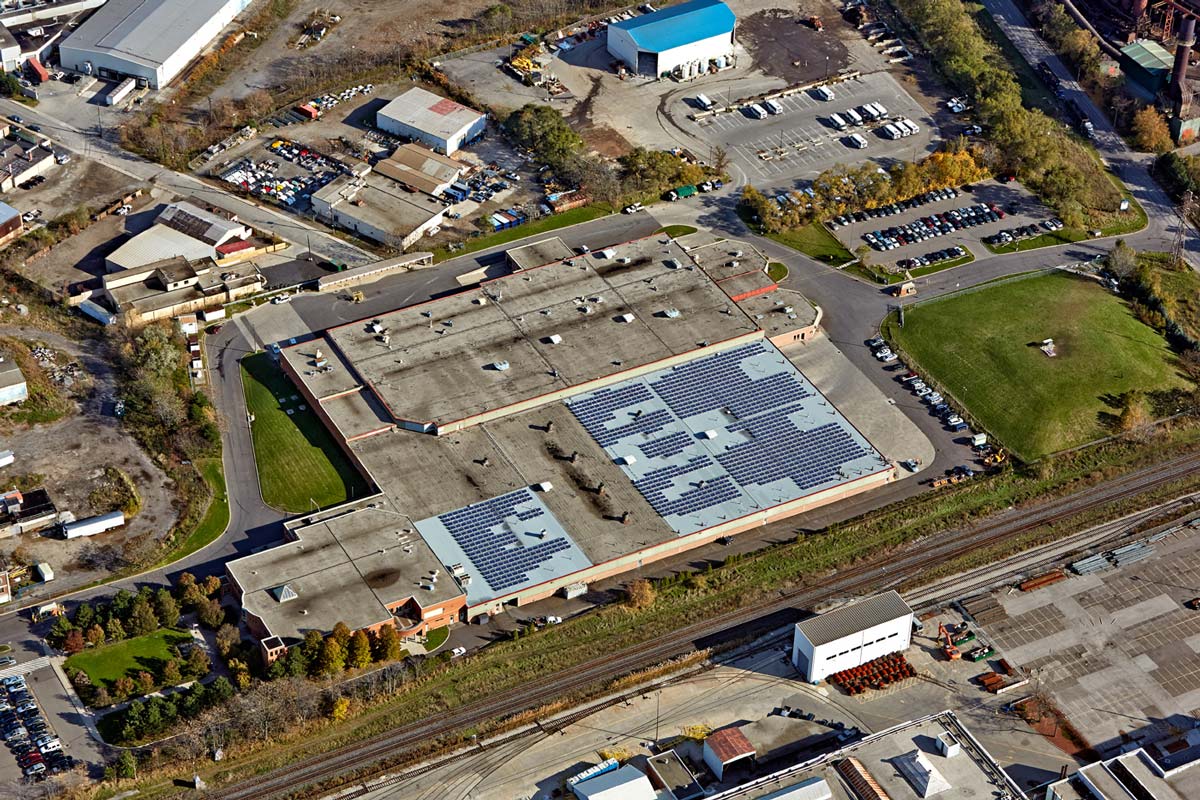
x=877, y=674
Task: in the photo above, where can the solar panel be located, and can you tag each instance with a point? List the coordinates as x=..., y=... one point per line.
x=724, y=434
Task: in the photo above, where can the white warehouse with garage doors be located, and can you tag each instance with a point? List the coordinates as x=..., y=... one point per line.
x=684, y=38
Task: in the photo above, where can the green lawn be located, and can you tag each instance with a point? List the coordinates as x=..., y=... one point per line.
x=980, y=347
x=550, y=223
x=675, y=231
x=777, y=271
x=815, y=241
x=105, y=664
x=436, y=638
x=299, y=463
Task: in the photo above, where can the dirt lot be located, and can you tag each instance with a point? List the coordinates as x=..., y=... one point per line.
x=79, y=261
x=71, y=456
x=67, y=186
x=785, y=47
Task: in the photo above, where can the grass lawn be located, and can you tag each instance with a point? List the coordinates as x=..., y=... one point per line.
x=979, y=347
x=550, y=223
x=298, y=461
x=777, y=271
x=675, y=231
x=436, y=638
x=111, y=661
x=216, y=518
x=1180, y=292
x=815, y=241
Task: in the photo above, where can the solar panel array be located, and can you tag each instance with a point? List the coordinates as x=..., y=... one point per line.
x=505, y=541
x=724, y=435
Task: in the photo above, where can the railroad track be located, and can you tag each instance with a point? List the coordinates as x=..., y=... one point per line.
x=739, y=623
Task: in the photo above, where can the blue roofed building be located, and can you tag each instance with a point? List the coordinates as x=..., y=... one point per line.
x=683, y=38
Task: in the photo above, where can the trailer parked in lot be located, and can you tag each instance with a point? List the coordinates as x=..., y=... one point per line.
x=121, y=92
x=94, y=525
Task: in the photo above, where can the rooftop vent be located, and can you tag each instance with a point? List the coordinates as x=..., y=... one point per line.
x=710, y=434
x=672, y=263
x=500, y=366
x=544, y=486
x=554, y=338
x=626, y=318
x=284, y=593
x=627, y=460
x=947, y=744
x=672, y=313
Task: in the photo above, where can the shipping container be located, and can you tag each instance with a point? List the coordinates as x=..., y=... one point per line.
x=121, y=92
x=94, y=525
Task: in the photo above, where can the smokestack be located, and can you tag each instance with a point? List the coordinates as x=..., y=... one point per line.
x=1180, y=92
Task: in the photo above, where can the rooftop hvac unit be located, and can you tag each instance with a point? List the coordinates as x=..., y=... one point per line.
x=623, y=260
x=672, y=313
x=608, y=253
x=788, y=309
x=710, y=434
x=554, y=338
x=586, y=309
x=500, y=366
x=672, y=263
x=626, y=318
x=627, y=460
x=544, y=486
x=376, y=327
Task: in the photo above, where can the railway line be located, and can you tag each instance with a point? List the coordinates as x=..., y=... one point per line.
x=737, y=624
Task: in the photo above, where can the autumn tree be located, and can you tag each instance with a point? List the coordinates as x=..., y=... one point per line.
x=171, y=674
x=1151, y=132
x=332, y=659
x=358, y=654
x=210, y=614
x=166, y=608
x=386, y=644
x=114, y=630
x=228, y=638
x=142, y=620
x=74, y=642
x=641, y=594
x=95, y=635
x=198, y=662
x=341, y=634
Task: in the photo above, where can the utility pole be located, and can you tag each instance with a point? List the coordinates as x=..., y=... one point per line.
x=657, y=708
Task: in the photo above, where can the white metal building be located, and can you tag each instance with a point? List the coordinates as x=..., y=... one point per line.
x=149, y=39
x=685, y=36
x=852, y=635
x=437, y=122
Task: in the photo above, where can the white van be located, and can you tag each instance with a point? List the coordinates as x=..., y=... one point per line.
x=858, y=141
x=837, y=122
x=880, y=111
x=773, y=107
x=909, y=125
x=704, y=102
x=891, y=131
x=852, y=117
x=757, y=111
x=825, y=93
x=868, y=111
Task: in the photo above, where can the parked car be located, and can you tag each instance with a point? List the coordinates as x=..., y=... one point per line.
x=458, y=651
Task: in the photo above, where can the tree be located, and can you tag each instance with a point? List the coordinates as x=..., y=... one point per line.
x=74, y=642
x=123, y=687
x=1135, y=413
x=101, y=698
x=641, y=594
x=341, y=634
x=295, y=663
x=142, y=620
x=241, y=673
x=95, y=635
x=85, y=615
x=166, y=609
x=210, y=614
x=59, y=630
x=1122, y=260
x=228, y=638
x=311, y=646
x=543, y=130
x=212, y=585
x=332, y=659
x=220, y=690
x=114, y=630
x=198, y=663
x=121, y=604
x=171, y=674
x=1151, y=132
x=387, y=644
x=339, y=709
x=126, y=765
x=145, y=682
x=359, y=653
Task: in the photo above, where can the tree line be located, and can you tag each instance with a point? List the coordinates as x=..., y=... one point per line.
x=841, y=188
x=1058, y=167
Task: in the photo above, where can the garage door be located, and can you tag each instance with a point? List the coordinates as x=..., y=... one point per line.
x=647, y=63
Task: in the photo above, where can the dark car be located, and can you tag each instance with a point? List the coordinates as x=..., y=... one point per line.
x=15, y=118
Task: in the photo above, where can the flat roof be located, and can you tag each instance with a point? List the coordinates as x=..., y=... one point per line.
x=10, y=371
x=853, y=618
x=538, y=254
x=675, y=776
x=380, y=204
x=347, y=566
x=725, y=435
x=503, y=545
x=430, y=113
x=146, y=32
x=970, y=774
x=679, y=25
x=420, y=167
x=538, y=331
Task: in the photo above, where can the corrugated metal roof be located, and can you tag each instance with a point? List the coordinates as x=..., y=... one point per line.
x=147, y=32
x=627, y=783
x=676, y=26
x=855, y=617
x=429, y=113
x=157, y=243
x=1148, y=55
x=729, y=744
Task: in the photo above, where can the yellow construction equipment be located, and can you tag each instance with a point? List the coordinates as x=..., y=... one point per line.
x=995, y=459
x=952, y=652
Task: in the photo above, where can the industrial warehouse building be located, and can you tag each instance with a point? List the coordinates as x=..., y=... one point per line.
x=679, y=37
x=852, y=635
x=573, y=421
x=151, y=40
x=437, y=122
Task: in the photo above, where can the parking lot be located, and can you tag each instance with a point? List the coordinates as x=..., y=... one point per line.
x=35, y=750
x=800, y=142
x=1020, y=208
